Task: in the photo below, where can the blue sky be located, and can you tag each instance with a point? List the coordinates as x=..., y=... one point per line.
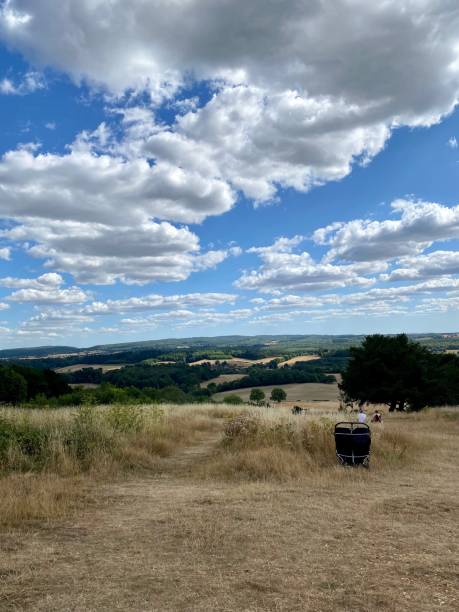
x=159, y=179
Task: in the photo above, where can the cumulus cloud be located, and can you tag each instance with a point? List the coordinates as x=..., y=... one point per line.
x=437, y=263
x=46, y=289
x=160, y=302
x=154, y=44
x=284, y=114
x=283, y=269
x=91, y=215
x=420, y=224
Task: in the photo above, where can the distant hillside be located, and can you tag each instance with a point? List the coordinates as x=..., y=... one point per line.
x=37, y=351
x=271, y=343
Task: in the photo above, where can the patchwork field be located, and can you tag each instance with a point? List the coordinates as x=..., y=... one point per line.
x=212, y=512
x=235, y=361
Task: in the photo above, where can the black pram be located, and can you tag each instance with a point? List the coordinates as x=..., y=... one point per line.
x=353, y=441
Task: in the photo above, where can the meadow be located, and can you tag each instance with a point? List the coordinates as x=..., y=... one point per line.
x=304, y=394
x=211, y=507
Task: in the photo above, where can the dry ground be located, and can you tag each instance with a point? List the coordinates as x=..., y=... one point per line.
x=338, y=540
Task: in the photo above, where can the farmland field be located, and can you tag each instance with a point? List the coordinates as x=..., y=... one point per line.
x=95, y=366
x=222, y=379
x=235, y=361
x=300, y=393
x=299, y=359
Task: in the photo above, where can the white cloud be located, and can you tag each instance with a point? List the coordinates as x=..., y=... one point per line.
x=160, y=302
x=299, y=94
x=45, y=281
x=284, y=270
x=30, y=82
x=437, y=263
x=452, y=142
x=5, y=253
x=46, y=289
x=91, y=215
x=421, y=224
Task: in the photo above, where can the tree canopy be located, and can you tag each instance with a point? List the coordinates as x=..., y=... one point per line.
x=396, y=371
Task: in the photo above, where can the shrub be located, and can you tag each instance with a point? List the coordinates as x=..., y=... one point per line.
x=278, y=395
x=233, y=399
x=125, y=418
x=257, y=395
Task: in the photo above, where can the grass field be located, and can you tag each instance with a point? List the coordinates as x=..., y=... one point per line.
x=299, y=359
x=201, y=509
x=222, y=378
x=304, y=394
x=235, y=361
x=105, y=367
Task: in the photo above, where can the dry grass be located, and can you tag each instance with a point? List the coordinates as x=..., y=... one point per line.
x=105, y=367
x=290, y=532
x=299, y=359
x=268, y=445
x=44, y=453
x=305, y=394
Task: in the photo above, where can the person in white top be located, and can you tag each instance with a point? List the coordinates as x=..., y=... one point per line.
x=362, y=416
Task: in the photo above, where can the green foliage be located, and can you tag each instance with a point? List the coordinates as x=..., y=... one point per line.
x=278, y=395
x=21, y=434
x=13, y=386
x=396, y=371
x=233, y=399
x=125, y=418
x=257, y=395
x=259, y=376
x=19, y=383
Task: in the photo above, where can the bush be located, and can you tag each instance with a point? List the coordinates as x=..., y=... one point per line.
x=233, y=399
x=278, y=395
x=257, y=395
x=125, y=418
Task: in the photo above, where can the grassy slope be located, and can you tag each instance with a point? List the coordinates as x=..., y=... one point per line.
x=192, y=536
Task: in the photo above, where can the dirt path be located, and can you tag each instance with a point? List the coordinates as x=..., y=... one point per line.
x=170, y=542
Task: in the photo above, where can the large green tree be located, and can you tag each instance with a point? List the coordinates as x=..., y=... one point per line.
x=391, y=370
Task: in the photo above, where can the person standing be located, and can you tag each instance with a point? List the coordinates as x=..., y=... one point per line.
x=362, y=417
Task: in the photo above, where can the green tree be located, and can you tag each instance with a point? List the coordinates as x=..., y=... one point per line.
x=13, y=386
x=233, y=399
x=278, y=395
x=257, y=395
x=390, y=370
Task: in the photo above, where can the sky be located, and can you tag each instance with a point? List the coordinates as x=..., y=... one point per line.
x=211, y=167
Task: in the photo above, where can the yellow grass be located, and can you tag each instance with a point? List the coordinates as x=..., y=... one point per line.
x=308, y=395
x=105, y=367
x=299, y=359
x=222, y=378
x=263, y=521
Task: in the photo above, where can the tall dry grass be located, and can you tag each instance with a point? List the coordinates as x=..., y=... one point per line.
x=270, y=445
x=47, y=456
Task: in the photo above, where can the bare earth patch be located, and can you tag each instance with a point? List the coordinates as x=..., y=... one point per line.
x=338, y=539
